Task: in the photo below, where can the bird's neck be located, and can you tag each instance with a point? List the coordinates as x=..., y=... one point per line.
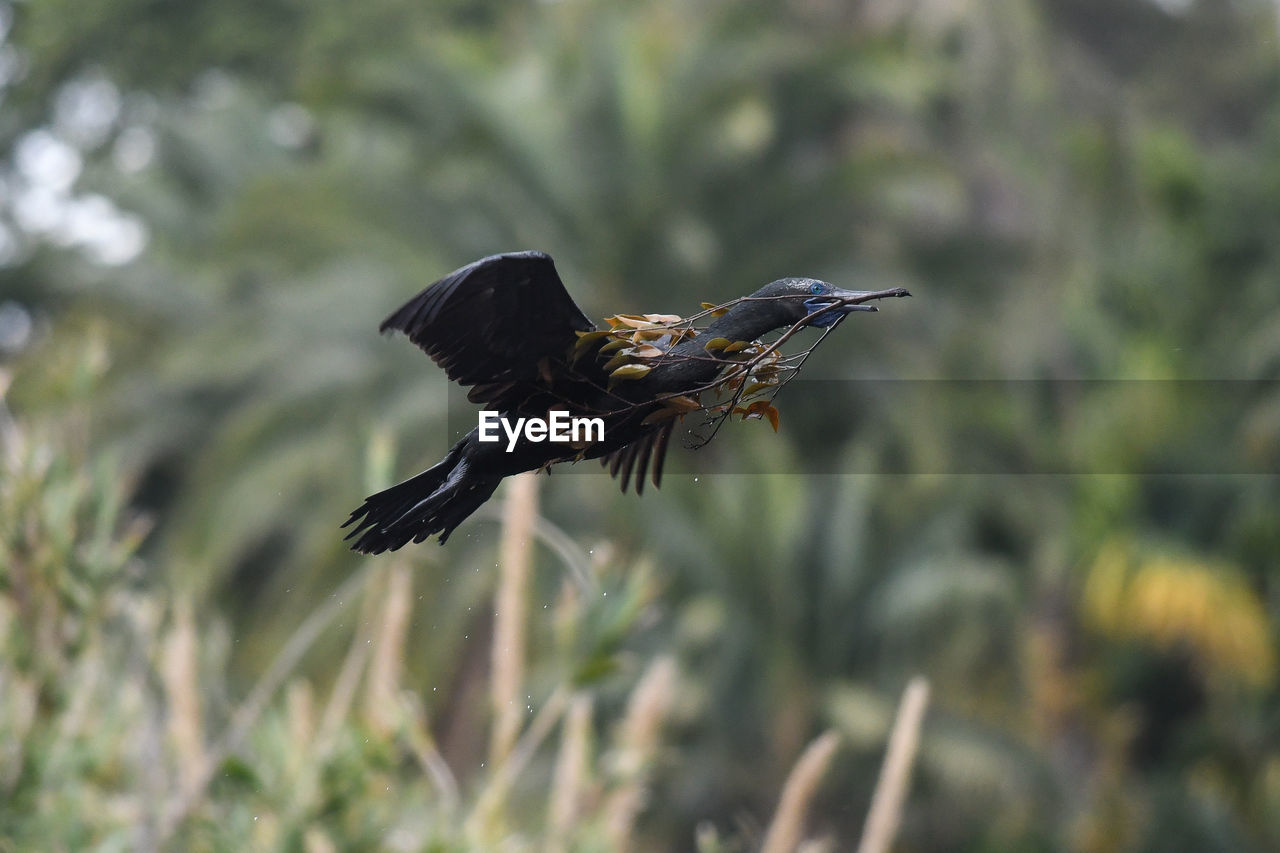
x=745, y=321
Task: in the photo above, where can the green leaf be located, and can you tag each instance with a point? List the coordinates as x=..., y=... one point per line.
x=716, y=344
x=585, y=340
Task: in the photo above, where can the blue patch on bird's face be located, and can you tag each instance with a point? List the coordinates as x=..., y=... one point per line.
x=822, y=320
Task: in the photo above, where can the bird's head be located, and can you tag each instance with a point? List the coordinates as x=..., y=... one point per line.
x=790, y=300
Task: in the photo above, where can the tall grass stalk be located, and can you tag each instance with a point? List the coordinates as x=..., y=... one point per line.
x=571, y=773
x=638, y=742
x=179, y=669
x=895, y=774
x=510, y=608
x=382, y=684
x=787, y=826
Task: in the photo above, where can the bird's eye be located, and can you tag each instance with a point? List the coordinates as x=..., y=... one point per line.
x=817, y=287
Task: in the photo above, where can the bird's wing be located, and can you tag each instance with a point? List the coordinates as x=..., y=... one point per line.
x=493, y=323
x=648, y=449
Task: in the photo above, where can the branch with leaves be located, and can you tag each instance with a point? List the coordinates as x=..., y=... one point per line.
x=753, y=371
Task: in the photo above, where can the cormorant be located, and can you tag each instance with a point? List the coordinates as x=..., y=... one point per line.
x=506, y=326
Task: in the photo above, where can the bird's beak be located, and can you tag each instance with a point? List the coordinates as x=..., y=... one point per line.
x=830, y=307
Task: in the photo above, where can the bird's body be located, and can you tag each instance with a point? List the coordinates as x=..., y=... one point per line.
x=505, y=326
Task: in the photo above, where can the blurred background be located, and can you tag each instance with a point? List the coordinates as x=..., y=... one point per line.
x=1046, y=484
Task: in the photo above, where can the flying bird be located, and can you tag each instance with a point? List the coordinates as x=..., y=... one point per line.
x=506, y=327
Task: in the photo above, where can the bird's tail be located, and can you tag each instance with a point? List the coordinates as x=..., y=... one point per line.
x=435, y=501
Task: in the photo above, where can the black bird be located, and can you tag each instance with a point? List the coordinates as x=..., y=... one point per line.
x=505, y=326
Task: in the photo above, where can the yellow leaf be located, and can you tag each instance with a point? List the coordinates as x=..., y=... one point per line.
x=757, y=387
x=618, y=360
x=614, y=345
x=635, y=321
x=663, y=318
x=627, y=372
x=647, y=351
x=716, y=344
x=737, y=345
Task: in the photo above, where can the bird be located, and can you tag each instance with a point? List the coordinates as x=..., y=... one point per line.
x=506, y=327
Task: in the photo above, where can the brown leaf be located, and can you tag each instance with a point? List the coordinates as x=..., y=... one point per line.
x=635, y=321
x=649, y=335
x=682, y=403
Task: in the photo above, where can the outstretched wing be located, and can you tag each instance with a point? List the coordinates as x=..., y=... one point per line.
x=494, y=323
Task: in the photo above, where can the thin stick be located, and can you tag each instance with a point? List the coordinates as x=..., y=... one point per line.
x=895, y=774
x=491, y=800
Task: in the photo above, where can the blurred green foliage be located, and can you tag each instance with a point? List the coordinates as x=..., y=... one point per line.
x=1049, y=479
